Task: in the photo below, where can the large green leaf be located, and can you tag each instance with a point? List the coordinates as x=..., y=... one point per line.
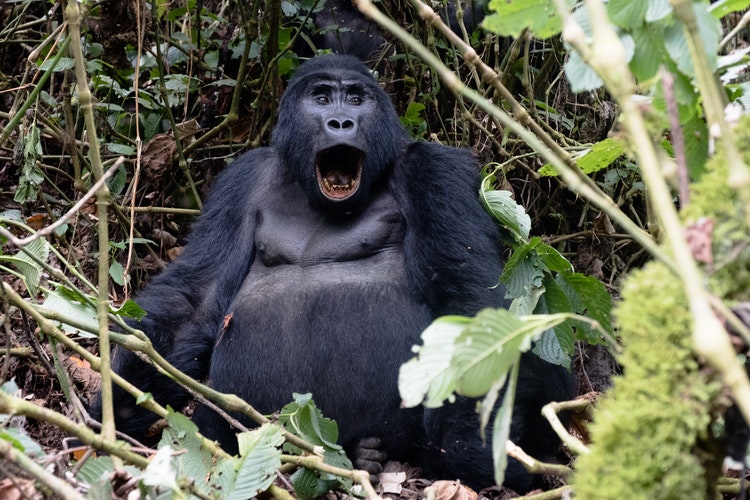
x=305, y=420
x=260, y=457
x=429, y=377
x=511, y=17
x=503, y=207
x=627, y=13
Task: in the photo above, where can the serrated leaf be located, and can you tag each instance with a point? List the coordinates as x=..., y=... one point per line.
x=600, y=155
x=491, y=344
x=589, y=297
x=511, y=17
x=129, y=309
x=709, y=29
x=304, y=418
x=192, y=459
x=549, y=348
x=524, y=271
x=21, y=441
x=581, y=76
x=428, y=377
x=503, y=207
x=260, y=450
x=657, y=10
x=627, y=13
x=97, y=470
x=486, y=350
x=650, y=52
x=307, y=484
x=552, y=259
x=116, y=272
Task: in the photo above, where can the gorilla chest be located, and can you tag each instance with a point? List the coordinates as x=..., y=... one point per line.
x=297, y=239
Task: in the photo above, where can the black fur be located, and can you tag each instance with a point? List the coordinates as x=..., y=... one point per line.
x=328, y=295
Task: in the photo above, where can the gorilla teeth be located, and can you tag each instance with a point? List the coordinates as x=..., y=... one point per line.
x=339, y=170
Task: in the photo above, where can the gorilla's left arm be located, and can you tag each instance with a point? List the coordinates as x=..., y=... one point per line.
x=452, y=246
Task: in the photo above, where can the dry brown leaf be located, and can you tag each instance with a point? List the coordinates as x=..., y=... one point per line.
x=449, y=490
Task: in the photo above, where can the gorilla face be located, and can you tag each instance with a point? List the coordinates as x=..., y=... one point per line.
x=339, y=111
x=337, y=133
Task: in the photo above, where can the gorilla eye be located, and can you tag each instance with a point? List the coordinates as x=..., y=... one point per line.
x=356, y=100
x=322, y=99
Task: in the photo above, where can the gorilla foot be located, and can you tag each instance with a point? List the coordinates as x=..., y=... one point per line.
x=369, y=457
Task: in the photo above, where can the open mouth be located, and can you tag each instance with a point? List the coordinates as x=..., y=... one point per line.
x=339, y=170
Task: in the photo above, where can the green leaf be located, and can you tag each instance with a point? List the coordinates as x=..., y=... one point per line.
x=524, y=271
x=552, y=259
x=96, y=470
x=549, y=348
x=116, y=272
x=191, y=458
x=695, y=131
x=305, y=420
x=501, y=427
x=504, y=208
x=63, y=64
x=129, y=309
x=491, y=344
x=428, y=377
x=73, y=310
x=657, y=10
x=28, y=267
x=21, y=441
x=677, y=45
x=588, y=297
x=649, y=53
x=724, y=7
x=511, y=17
x=627, y=13
x=599, y=156
x=486, y=350
x=260, y=450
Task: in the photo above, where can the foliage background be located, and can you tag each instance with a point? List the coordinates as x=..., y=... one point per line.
x=179, y=89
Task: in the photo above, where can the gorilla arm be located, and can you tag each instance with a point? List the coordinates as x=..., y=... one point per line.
x=185, y=304
x=452, y=246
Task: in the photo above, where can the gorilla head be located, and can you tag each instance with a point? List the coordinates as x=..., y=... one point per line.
x=337, y=132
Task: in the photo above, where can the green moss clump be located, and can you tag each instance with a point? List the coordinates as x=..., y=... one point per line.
x=651, y=437
x=646, y=431
x=711, y=197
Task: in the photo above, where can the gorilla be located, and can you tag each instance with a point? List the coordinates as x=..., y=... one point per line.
x=339, y=26
x=316, y=265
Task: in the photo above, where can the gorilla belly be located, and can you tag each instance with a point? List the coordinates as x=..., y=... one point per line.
x=310, y=327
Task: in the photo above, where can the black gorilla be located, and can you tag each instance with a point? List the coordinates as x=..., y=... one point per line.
x=315, y=267
x=339, y=26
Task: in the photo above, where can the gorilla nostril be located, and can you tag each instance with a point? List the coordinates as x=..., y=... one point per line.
x=335, y=124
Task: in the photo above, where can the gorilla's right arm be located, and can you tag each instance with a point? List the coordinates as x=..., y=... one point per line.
x=186, y=303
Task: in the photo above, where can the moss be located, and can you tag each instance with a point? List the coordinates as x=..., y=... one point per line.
x=651, y=431
x=649, y=425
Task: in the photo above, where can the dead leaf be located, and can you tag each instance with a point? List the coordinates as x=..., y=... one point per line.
x=449, y=490
x=158, y=154
x=81, y=372
x=391, y=482
x=699, y=237
x=17, y=489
